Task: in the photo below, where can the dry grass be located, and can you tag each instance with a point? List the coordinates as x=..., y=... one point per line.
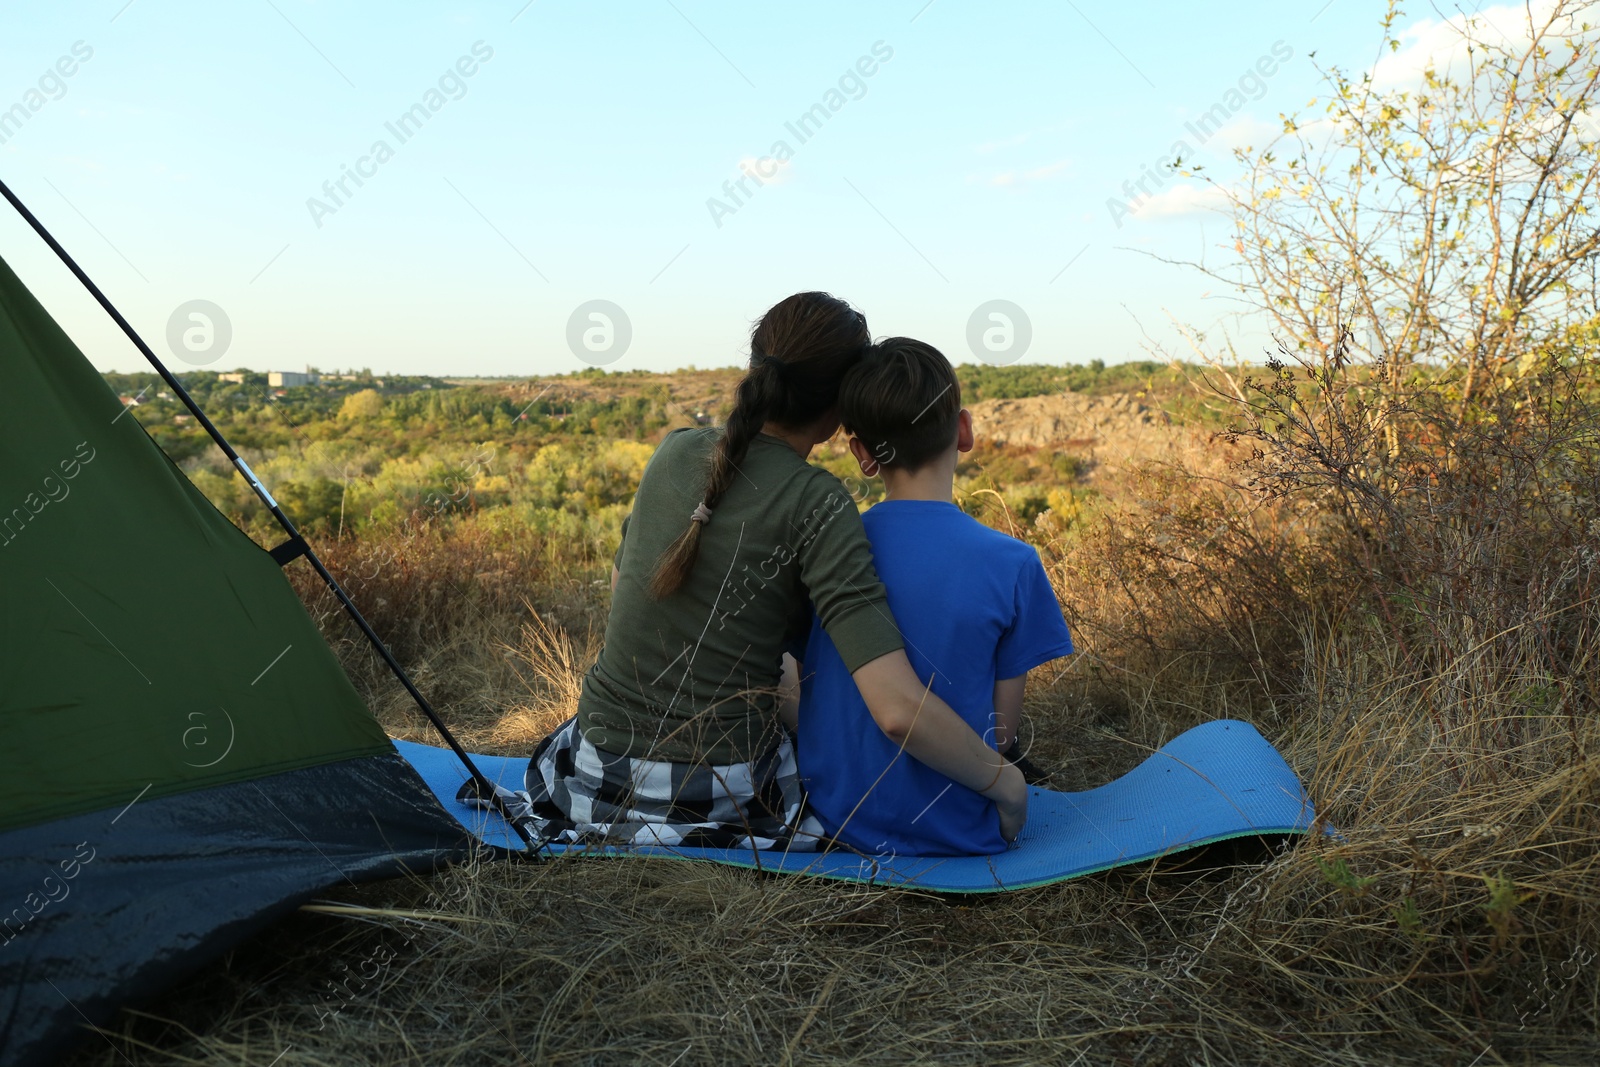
x=1454, y=920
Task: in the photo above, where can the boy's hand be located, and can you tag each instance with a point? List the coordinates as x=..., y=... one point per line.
x=789, y=693
x=1010, y=795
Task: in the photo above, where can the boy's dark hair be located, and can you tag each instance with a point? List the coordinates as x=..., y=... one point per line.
x=903, y=401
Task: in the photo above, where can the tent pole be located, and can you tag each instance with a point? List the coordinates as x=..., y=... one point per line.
x=300, y=547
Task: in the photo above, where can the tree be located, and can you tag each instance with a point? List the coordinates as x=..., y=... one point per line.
x=1428, y=255
x=365, y=404
x=1445, y=216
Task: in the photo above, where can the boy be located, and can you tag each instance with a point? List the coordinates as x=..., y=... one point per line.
x=973, y=605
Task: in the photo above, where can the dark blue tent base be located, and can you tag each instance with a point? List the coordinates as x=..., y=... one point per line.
x=115, y=905
x=1217, y=782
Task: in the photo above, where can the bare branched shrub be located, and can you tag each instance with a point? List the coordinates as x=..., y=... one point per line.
x=1466, y=531
x=1444, y=214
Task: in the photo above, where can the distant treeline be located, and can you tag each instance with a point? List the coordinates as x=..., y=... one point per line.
x=630, y=404
x=560, y=455
x=980, y=382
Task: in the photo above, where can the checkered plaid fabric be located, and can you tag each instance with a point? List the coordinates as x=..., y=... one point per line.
x=577, y=794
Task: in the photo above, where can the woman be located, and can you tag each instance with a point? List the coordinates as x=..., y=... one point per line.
x=732, y=539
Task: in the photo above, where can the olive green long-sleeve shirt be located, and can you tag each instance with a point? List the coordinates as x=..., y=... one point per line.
x=692, y=677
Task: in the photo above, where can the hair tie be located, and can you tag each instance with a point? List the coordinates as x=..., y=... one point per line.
x=701, y=514
x=762, y=359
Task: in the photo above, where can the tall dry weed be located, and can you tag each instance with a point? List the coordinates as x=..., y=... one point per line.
x=444, y=597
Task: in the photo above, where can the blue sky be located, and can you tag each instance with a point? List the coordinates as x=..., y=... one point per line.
x=577, y=159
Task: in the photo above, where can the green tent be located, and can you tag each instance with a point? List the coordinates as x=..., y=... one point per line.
x=183, y=758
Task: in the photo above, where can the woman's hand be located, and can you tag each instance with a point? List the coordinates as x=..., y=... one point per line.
x=1010, y=795
x=913, y=717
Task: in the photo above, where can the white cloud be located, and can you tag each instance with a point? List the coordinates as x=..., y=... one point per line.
x=1013, y=178
x=1021, y=138
x=1046, y=171
x=1187, y=198
x=1245, y=131
x=1004, y=142
x=1443, y=44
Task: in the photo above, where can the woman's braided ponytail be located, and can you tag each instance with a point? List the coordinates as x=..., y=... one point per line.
x=799, y=353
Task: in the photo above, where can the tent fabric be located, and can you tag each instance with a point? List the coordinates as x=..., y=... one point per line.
x=147, y=641
x=112, y=906
x=1219, y=781
x=181, y=756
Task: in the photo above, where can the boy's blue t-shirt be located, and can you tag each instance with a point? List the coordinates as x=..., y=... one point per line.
x=974, y=606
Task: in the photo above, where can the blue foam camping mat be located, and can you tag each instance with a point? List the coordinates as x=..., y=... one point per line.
x=1217, y=781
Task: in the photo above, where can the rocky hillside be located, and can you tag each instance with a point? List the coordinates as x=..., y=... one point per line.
x=1111, y=432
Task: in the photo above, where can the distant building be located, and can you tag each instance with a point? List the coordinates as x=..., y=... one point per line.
x=237, y=378
x=288, y=379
